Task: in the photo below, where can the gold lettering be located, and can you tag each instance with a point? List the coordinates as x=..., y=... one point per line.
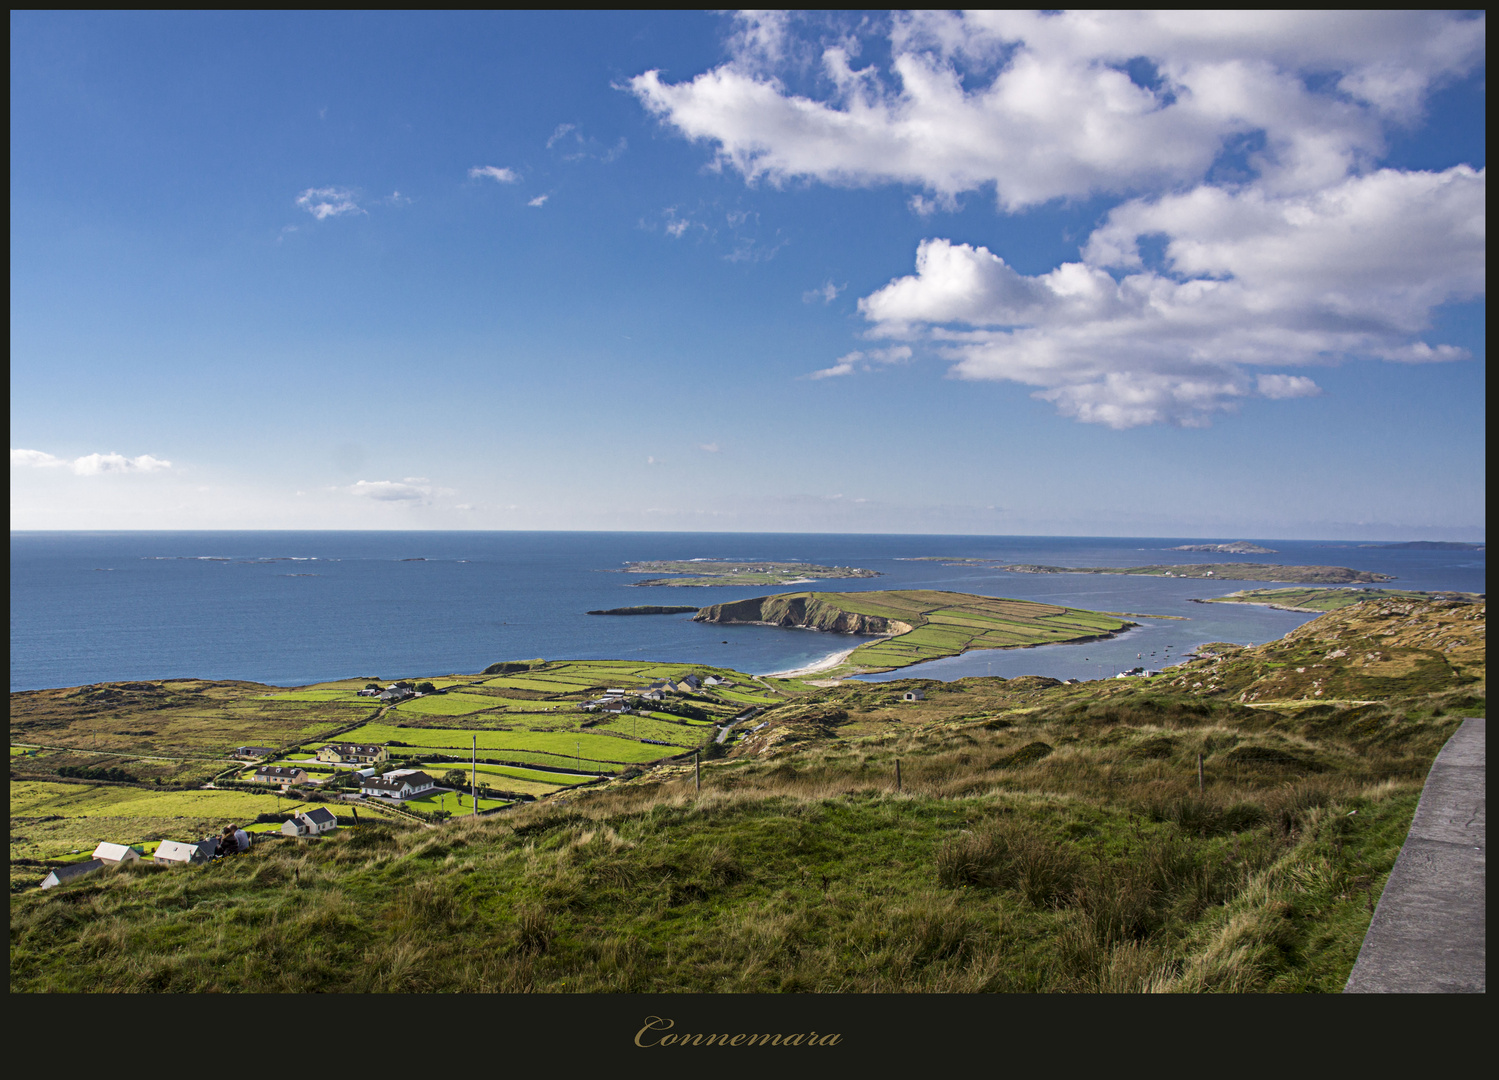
x=829, y=1040
x=736, y=1040
x=793, y=1040
x=652, y=1023
x=667, y=1040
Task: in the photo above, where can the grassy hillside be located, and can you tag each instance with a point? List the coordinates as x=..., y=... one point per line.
x=1318, y=575
x=922, y=624
x=1043, y=838
x=1328, y=599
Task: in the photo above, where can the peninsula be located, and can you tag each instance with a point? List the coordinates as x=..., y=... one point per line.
x=704, y=572
x=1320, y=600
x=1310, y=575
x=918, y=624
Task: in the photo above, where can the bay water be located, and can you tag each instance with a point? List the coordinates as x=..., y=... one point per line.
x=292, y=608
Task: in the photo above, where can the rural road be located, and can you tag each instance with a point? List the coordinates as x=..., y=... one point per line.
x=1427, y=935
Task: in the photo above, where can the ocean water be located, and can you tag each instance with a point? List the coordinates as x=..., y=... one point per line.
x=291, y=608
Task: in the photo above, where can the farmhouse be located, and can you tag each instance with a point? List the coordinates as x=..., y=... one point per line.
x=253, y=753
x=690, y=684
x=312, y=822
x=392, y=694
x=63, y=874
x=280, y=774
x=402, y=784
x=116, y=853
x=353, y=754
x=914, y=695
x=173, y=851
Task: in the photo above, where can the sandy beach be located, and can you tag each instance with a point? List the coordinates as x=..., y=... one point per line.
x=826, y=663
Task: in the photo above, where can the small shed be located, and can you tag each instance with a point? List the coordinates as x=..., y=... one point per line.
x=174, y=851
x=914, y=695
x=116, y=853
x=61, y=875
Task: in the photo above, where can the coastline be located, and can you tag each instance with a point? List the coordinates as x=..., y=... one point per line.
x=827, y=663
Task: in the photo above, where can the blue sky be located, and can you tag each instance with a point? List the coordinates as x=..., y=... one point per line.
x=1113, y=274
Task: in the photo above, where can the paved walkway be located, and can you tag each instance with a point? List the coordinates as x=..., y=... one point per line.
x=1427, y=935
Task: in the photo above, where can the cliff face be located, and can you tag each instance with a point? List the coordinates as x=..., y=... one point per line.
x=800, y=609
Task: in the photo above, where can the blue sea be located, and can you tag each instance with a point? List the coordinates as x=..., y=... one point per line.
x=291, y=608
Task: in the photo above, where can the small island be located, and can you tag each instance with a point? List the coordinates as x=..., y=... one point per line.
x=1306, y=575
x=1323, y=600
x=704, y=572
x=1238, y=547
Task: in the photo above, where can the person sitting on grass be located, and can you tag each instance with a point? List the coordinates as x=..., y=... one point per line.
x=241, y=839
x=228, y=844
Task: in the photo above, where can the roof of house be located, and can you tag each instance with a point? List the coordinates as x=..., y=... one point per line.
x=75, y=870
x=384, y=785
x=279, y=770
x=176, y=851
x=354, y=748
x=114, y=852
x=319, y=815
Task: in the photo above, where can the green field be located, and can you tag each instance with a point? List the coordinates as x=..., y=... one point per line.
x=458, y=704
x=697, y=572
x=563, y=745
x=648, y=727
x=1324, y=575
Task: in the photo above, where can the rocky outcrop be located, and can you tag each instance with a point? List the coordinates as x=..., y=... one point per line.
x=808, y=610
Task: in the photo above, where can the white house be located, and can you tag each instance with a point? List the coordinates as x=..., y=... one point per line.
x=116, y=853
x=174, y=851
x=63, y=874
x=914, y=695
x=312, y=822
x=402, y=784
x=353, y=753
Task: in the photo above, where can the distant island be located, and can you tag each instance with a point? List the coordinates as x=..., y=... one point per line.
x=647, y=609
x=704, y=572
x=1238, y=547
x=1427, y=545
x=1323, y=600
x=917, y=624
x=1312, y=575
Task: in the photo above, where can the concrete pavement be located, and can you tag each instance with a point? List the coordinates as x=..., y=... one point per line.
x=1427, y=934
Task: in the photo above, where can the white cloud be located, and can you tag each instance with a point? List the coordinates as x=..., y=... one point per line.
x=1246, y=278
x=710, y=447
x=864, y=360
x=503, y=176
x=540, y=200
x=1042, y=106
x=90, y=464
x=652, y=461
x=35, y=459
x=826, y=292
x=562, y=129
x=326, y=202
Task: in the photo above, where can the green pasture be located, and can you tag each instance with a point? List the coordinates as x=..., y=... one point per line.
x=583, y=745
x=648, y=727
x=450, y=704
x=509, y=778
x=338, y=697
x=429, y=803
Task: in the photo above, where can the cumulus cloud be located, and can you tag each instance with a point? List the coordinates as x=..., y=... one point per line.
x=1246, y=278
x=1253, y=227
x=90, y=464
x=327, y=202
x=1045, y=106
x=503, y=176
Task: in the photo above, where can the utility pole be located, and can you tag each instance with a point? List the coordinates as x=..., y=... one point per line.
x=474, y=776
x=897, y=774
x=697, y=770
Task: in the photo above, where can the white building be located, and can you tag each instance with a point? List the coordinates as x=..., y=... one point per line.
x=312, y=822
x=174, y=851
x=114, y=854
x=63, y=874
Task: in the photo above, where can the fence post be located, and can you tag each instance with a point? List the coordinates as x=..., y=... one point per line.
x=697, y=770
x=897, y=774
x=1199, y=776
